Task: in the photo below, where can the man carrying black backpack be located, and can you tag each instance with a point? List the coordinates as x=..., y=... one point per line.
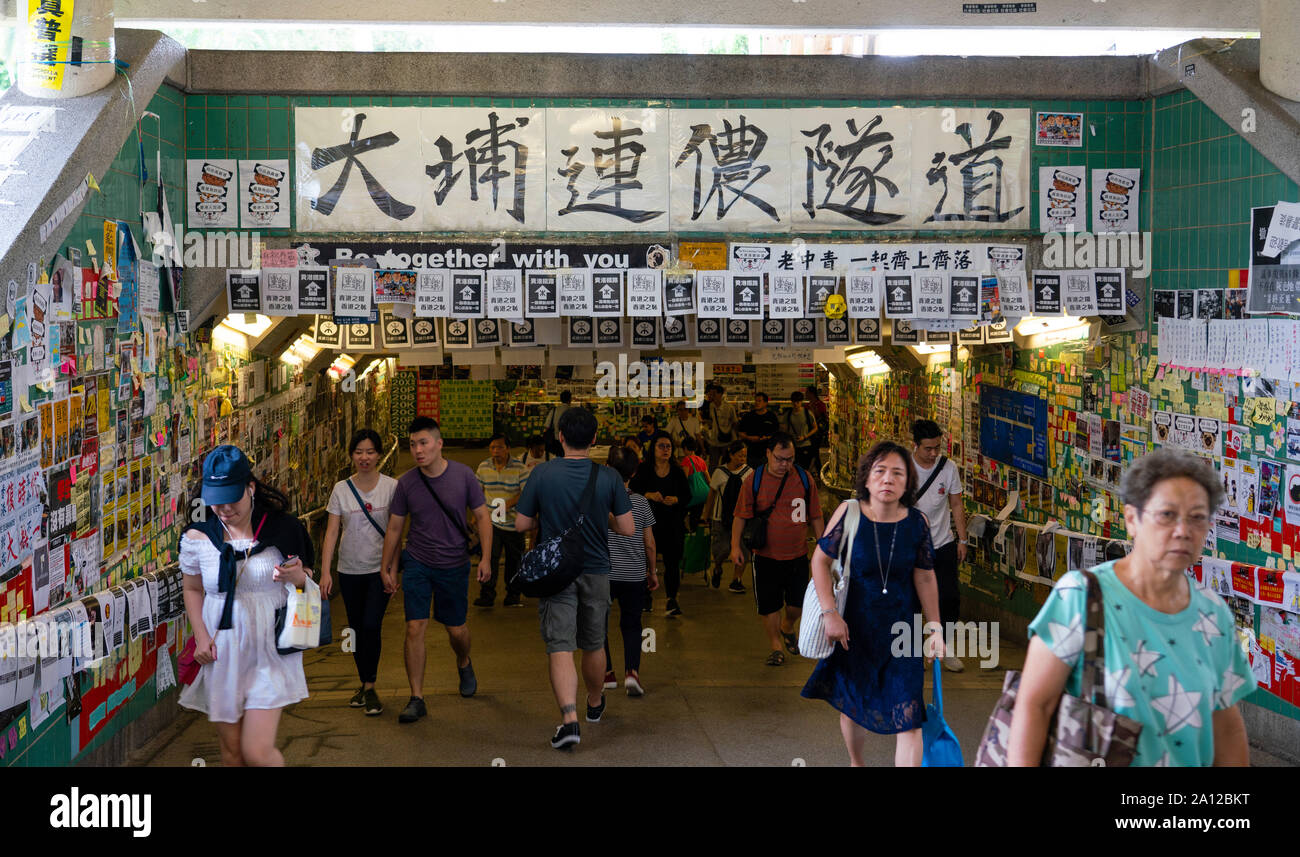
x=776, y=511
x=574, y=618
x=720, y=507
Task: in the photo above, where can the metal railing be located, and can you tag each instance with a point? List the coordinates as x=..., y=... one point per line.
x=319, y=512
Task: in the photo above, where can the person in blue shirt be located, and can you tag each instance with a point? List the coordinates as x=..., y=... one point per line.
x=1171, y=655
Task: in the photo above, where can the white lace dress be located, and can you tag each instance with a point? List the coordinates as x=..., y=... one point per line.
x=248, y=671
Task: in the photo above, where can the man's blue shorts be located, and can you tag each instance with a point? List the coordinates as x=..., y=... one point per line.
x=447, y=587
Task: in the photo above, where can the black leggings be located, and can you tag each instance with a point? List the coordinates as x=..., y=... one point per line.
x=670, y=540
x=365, y=600
x=631, y=597
x=945, y=573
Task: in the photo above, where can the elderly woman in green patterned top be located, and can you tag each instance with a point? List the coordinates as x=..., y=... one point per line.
x=1172, y=659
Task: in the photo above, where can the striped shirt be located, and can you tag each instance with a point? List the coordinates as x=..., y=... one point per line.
x=627, y=560
x=504, y=484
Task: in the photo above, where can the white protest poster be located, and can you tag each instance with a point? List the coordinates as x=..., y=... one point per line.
x=1062, y=199
x=280, y=291
x=971, y=168
x=505, y=294
x=730, y=170
x=575, y=292
x=313, y=289
x=851, y=168
x=713, y=294
x=931, y=295
x=1078, y=293
x=679, y=294
x=432, y=293
x=1115, y=196
x=862, y=292
x=357, y=170
x=42, y=334
x=483, y=169
x=354, y=292
x=243, y=291
x=607, y=169
x=264, y=194
x=212, y=193
x=785, y=295
x=645, y=292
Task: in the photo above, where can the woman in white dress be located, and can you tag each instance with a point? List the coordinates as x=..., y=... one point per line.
x=236, y=563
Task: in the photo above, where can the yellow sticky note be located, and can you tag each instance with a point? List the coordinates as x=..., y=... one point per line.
x=5, y=323
x=1286, y=552
x=25, y=405
x=22, y=726
x=1263, y=411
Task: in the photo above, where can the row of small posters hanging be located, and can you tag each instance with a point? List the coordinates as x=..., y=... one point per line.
x=353, y=294
x=396, y=331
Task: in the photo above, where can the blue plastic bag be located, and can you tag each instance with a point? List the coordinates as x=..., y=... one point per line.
x=941, y=749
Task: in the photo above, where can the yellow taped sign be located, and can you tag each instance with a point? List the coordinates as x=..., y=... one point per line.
x=50, y=26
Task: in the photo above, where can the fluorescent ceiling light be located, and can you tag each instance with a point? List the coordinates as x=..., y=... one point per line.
x=236, y=321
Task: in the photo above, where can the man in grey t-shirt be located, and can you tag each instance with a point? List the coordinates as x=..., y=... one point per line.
x=436, y=563
x=575, y=617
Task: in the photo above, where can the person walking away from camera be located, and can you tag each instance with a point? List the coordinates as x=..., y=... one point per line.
x=1172, y=660
x=236, y=562
x=502, y=478
x=891, y=569
x=632, y=576
x=575, y=618
x=551, y=426
x=661, y=480
x=757, y=427
x=435, y=564
x=684, y=424
x=787, y=498
x=801, y=424
x=720, y=508
x=721, y=429
x=822, y=414
x=939, y=499
x=358, y=510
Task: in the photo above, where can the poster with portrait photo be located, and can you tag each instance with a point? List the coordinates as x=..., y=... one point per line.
x=1186, y=307
x=1209, y=303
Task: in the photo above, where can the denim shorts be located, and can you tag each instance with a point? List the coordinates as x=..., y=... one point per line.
x=448, y=588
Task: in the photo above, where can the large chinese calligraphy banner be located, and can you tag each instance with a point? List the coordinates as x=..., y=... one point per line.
x=609, y=169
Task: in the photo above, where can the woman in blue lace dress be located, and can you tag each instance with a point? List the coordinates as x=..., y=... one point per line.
x=891, y=579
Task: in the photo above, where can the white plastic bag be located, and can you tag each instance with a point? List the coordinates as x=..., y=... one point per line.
x=302, y=620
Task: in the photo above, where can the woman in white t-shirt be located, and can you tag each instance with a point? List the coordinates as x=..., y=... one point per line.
x=359, y=506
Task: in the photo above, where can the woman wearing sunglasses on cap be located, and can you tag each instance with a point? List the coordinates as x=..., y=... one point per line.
x=236, y=562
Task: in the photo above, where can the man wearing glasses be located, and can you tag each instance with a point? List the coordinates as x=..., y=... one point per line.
x=787, y=497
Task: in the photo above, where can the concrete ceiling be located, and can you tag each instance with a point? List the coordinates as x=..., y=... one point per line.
x=839, y=15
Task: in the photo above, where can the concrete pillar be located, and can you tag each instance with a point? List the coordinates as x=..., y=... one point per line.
x=1279, y=47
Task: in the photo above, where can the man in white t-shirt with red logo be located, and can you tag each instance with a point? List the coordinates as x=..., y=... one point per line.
x=939, y=499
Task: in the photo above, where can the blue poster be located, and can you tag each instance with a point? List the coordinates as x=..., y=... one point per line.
x=1013, y=429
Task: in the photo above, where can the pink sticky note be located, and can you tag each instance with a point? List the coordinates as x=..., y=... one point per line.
x=13, y=739
x=72, y=473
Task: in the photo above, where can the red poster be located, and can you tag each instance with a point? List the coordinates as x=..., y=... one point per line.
x=1243, y=580
x=1268, y=586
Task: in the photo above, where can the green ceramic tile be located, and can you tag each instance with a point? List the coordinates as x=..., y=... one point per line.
x=258, y=129
x=217, y=129
x=236, y=129
x=277, y=101
x=237, y=101
x=278, y=129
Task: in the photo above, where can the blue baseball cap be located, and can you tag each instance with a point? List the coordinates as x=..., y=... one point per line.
x=226, y=474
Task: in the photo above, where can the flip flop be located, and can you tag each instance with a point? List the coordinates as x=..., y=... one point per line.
x=776, y=659
x=791, y=642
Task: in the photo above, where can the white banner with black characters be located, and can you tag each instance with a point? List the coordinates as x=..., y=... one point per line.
x=713, y=294
x=1115, y=196
x=505, y=293
x=264, y=194
x=626, y=169
x=1062, y=199
x=645, y=293
x=607, y=169
x=213, y=193
x=433, y=293
x=862, y=293
x=931, y=291
x=575, y=293
x=279, y=291
x=731, y=169
x=785, y=296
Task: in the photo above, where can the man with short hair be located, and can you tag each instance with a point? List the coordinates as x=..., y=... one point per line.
x=939, y=498
x=720, y=508
x=549, y=431
x=787, y=497
x=757, y=427
x=575, y=617
x=502, y=478
x=684, y=424
x=722, y=424
x=436, y=565
x=802, y=426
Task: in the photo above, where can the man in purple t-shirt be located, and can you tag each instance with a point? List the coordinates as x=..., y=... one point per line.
x=435, y=565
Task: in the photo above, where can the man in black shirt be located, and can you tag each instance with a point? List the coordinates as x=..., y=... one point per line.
x=756, y=428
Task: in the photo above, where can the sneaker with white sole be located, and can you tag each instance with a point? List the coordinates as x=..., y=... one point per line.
x=633, y=684
x=611, y=680
x=953, y=664
x=566, y=735
x=594, y=712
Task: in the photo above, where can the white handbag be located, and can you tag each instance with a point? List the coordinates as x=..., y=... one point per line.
x=812, y=628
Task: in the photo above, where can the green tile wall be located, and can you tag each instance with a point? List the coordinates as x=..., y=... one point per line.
x=1206, y=177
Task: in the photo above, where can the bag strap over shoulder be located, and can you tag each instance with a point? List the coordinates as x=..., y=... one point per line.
x=852, y=515
x=1093, y=688
x=938, y=468
x=458, y=523
x=364, y=510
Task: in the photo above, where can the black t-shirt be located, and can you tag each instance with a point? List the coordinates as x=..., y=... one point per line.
x=755, y=423
x=675, y=484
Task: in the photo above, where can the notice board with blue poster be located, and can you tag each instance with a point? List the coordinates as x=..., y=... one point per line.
x=1013, y=429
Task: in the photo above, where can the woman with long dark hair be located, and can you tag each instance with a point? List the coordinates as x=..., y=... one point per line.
x=661, y=480
x=358, y=507
x=236, y=562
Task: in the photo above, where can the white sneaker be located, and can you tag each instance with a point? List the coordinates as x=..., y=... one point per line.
x=953, y=664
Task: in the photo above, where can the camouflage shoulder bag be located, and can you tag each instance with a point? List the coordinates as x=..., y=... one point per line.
x=1083, y=732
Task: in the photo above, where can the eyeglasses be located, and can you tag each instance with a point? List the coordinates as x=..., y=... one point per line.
x=783, y=459
x=1168, y=518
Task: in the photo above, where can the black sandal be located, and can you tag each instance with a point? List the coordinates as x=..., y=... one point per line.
x=776, y=659
x=791, y=642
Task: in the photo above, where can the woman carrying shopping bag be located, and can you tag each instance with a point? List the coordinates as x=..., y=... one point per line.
x=891, y=567
x=236, y=563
